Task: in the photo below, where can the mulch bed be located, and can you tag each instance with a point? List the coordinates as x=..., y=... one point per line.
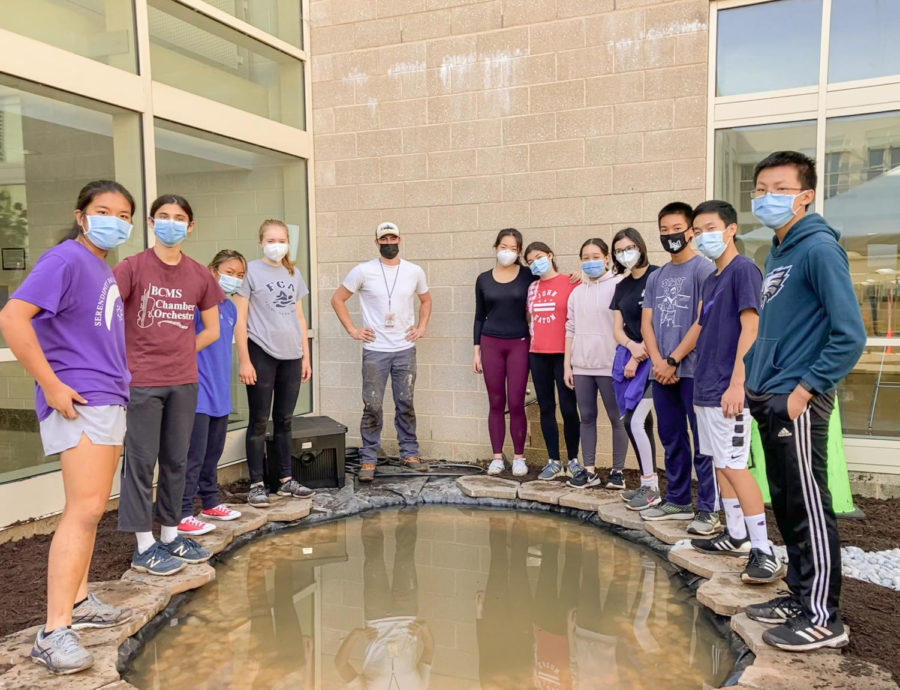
x=872, y=612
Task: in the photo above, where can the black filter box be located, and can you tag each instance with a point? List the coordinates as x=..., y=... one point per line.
x=317, y=453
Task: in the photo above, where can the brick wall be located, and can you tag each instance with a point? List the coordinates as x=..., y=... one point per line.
x=455, y=118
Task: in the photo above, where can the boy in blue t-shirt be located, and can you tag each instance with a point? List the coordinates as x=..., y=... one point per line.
x=729, y=318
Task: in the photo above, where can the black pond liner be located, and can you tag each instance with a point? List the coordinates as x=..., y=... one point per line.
x=378, y=498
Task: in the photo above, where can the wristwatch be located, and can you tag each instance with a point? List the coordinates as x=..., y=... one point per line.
x=670, y=360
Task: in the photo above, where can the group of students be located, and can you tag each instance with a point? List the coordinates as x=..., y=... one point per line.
x=140, y=356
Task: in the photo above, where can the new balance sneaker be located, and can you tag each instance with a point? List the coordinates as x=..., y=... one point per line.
x=704, y=523
x=778, y=610
x=762, y=568
x=616, y=480
x=93, y=613
x=668, y=511
x=800, y=634
x=643, y=498
x=295, y=489
x=157, y=561
x=193, y=526
x=220, y=512
x=582, y=478
x=258, y=496
x=187, y=550
x=723, y=543
x=519, y=468
x=496, y=467
x=552, y=470
x=61, y=652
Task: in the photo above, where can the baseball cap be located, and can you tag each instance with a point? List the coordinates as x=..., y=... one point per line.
x=386, y=228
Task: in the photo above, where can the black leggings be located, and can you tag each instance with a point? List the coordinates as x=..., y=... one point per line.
x=547, y=370
x=277, y=387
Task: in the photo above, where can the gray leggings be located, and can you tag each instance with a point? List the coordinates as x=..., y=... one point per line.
x=586, y=388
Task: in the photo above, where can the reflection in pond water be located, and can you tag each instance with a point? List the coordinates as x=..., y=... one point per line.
x=439, y=598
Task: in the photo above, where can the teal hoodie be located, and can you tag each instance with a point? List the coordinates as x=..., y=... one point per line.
x=810, y=326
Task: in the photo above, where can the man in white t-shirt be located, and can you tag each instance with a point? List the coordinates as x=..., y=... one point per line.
x=386, y=286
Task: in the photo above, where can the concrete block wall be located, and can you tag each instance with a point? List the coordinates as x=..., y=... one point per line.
x=454, y=118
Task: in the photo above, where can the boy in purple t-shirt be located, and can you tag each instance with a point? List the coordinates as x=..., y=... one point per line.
x=728, y=320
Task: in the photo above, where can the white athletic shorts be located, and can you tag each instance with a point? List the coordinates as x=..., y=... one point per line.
x=104, y=425
x=726, y=439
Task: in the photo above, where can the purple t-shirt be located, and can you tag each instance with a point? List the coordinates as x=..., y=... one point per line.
x=81, y=325
x=725, y=296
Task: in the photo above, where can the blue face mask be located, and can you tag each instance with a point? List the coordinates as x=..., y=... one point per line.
x=774, y=210
x=170, y=232
x=593, y=269
x=107, y=232
x=540, y=266
x=711, y=244
x=229, y=284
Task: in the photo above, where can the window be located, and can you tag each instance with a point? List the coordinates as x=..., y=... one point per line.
x=281, y=18
x=864, y=39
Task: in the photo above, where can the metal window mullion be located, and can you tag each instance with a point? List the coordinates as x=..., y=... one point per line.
x=822, y=104
x=311, y=227
x=148, y=138
x=713, y=25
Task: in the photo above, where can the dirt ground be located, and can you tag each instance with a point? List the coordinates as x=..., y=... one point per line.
x=872, y=612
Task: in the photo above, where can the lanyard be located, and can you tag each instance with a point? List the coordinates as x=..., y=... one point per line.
x=390, y=290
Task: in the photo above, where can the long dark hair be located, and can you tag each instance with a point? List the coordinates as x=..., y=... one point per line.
x=541, y=247
x=516, y=235
x=634, y=236
x=176, y=199
x=597, y=242
x=87, y=194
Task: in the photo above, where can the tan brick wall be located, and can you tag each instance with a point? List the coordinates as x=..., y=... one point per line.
x=455, y=118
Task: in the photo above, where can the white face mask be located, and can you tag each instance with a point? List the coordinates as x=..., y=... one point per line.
x=629, y=257
x=275, y=251
x=506, y=257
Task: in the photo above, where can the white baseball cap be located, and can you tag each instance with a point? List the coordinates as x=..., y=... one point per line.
x=386, y=228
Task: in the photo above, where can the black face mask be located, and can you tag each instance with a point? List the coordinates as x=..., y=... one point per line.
x=389, y=251
x=674, y=243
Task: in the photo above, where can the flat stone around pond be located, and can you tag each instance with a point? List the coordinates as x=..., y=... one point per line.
x=488, y=487
x=543, y=492
x=191, y=577
x=727, y=595
x=251, y=519
x=616, y=513
x=588, y=499
x=705, y=564
x=36, y=677
x=670, y=531
x=145, y=603
x=217, y=540
x=820, y=671
x=287, y=509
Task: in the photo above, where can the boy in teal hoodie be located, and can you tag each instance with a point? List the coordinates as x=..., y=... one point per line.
x=811, y=335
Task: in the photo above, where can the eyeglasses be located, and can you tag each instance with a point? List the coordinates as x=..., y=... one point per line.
x=757, y=193
x=625, y=249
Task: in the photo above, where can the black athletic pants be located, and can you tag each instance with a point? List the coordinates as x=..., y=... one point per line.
x=796, y=457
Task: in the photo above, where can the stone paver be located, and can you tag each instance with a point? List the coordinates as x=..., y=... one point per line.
x=119, y=685
x=543, y=492
x=488, y=487
x=217, y=540
x=819, y=671
x=669, y=531
x=32, y=676
x=615, y=513
x=145, y=603
x=588, y=499
x=251, y=519
x=192, y=577
x=727, y=595
x=750, y=631
x=705, y=564
x=287, y=509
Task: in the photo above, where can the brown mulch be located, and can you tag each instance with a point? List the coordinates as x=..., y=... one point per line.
x=872, y=612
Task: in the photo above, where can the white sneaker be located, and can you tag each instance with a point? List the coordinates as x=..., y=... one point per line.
x=496, y=467
x=519, y=468
x=194, y=527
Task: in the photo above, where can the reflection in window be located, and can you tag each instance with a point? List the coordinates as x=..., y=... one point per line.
x=281, y=18
x=865, y=39
x=769, y=46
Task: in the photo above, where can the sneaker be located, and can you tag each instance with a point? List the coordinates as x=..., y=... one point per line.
x=583, y=479
x=778, y=610
x=800, y=634
x=367, y=472
x=704, y=523
x=616, y=480
x=61, y=652
x=258, y=496
x=723, y=543
x=220, y=512
x=156, y=560
x=191, y=525
x=762, y=568
x=187, y=550
x=496, y=467
x=644, y=497
x=93, y=613
x=295, y=489
x=668, y=511
x=552, y=470
x=519, y=468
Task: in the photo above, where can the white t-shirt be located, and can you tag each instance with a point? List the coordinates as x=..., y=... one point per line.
x=386, y=297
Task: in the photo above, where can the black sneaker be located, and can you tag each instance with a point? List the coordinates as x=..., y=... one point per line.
x=777, y=610
x=723, y=543
x=295, y=489
x=762, y=568
x=616, y=480
x=582, y=478
x=800, y=634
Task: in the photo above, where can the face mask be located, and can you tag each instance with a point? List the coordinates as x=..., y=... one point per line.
x=629, y=257
x=389, y=251
x=229, y=284
x=170, y=232
x=540, y=266
x=506, y=257
x=774, y=210
x=711, y=244
x=673, y=243
x=275, y=251
x=107, y=232
x=593, y=269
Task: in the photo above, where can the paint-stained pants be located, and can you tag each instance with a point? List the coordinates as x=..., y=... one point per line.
x=376, y=367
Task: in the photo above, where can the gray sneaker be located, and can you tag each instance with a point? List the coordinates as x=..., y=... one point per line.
x=186, y=549
x=93, y=613
x=552, y=470
x=258, y=496
x=643, y=498
x=668, y=511
x=704, y=523
x=61, y=652
x=156, y=560
x=294, y=488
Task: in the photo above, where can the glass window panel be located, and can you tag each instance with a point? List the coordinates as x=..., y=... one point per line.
x=870, y=395
x=769, y=46
x=865, y=39
x=281, y=18
x=232, y=188
x=97, y=29
x=737, y=151
x=197, y=54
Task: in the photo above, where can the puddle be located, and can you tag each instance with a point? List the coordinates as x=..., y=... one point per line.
x=438, y=598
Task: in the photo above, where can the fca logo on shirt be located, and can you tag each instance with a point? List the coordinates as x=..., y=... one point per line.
x=283, y=299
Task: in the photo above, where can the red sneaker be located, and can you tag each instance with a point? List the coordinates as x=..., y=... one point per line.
x=194, y=527
x=221, y=512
